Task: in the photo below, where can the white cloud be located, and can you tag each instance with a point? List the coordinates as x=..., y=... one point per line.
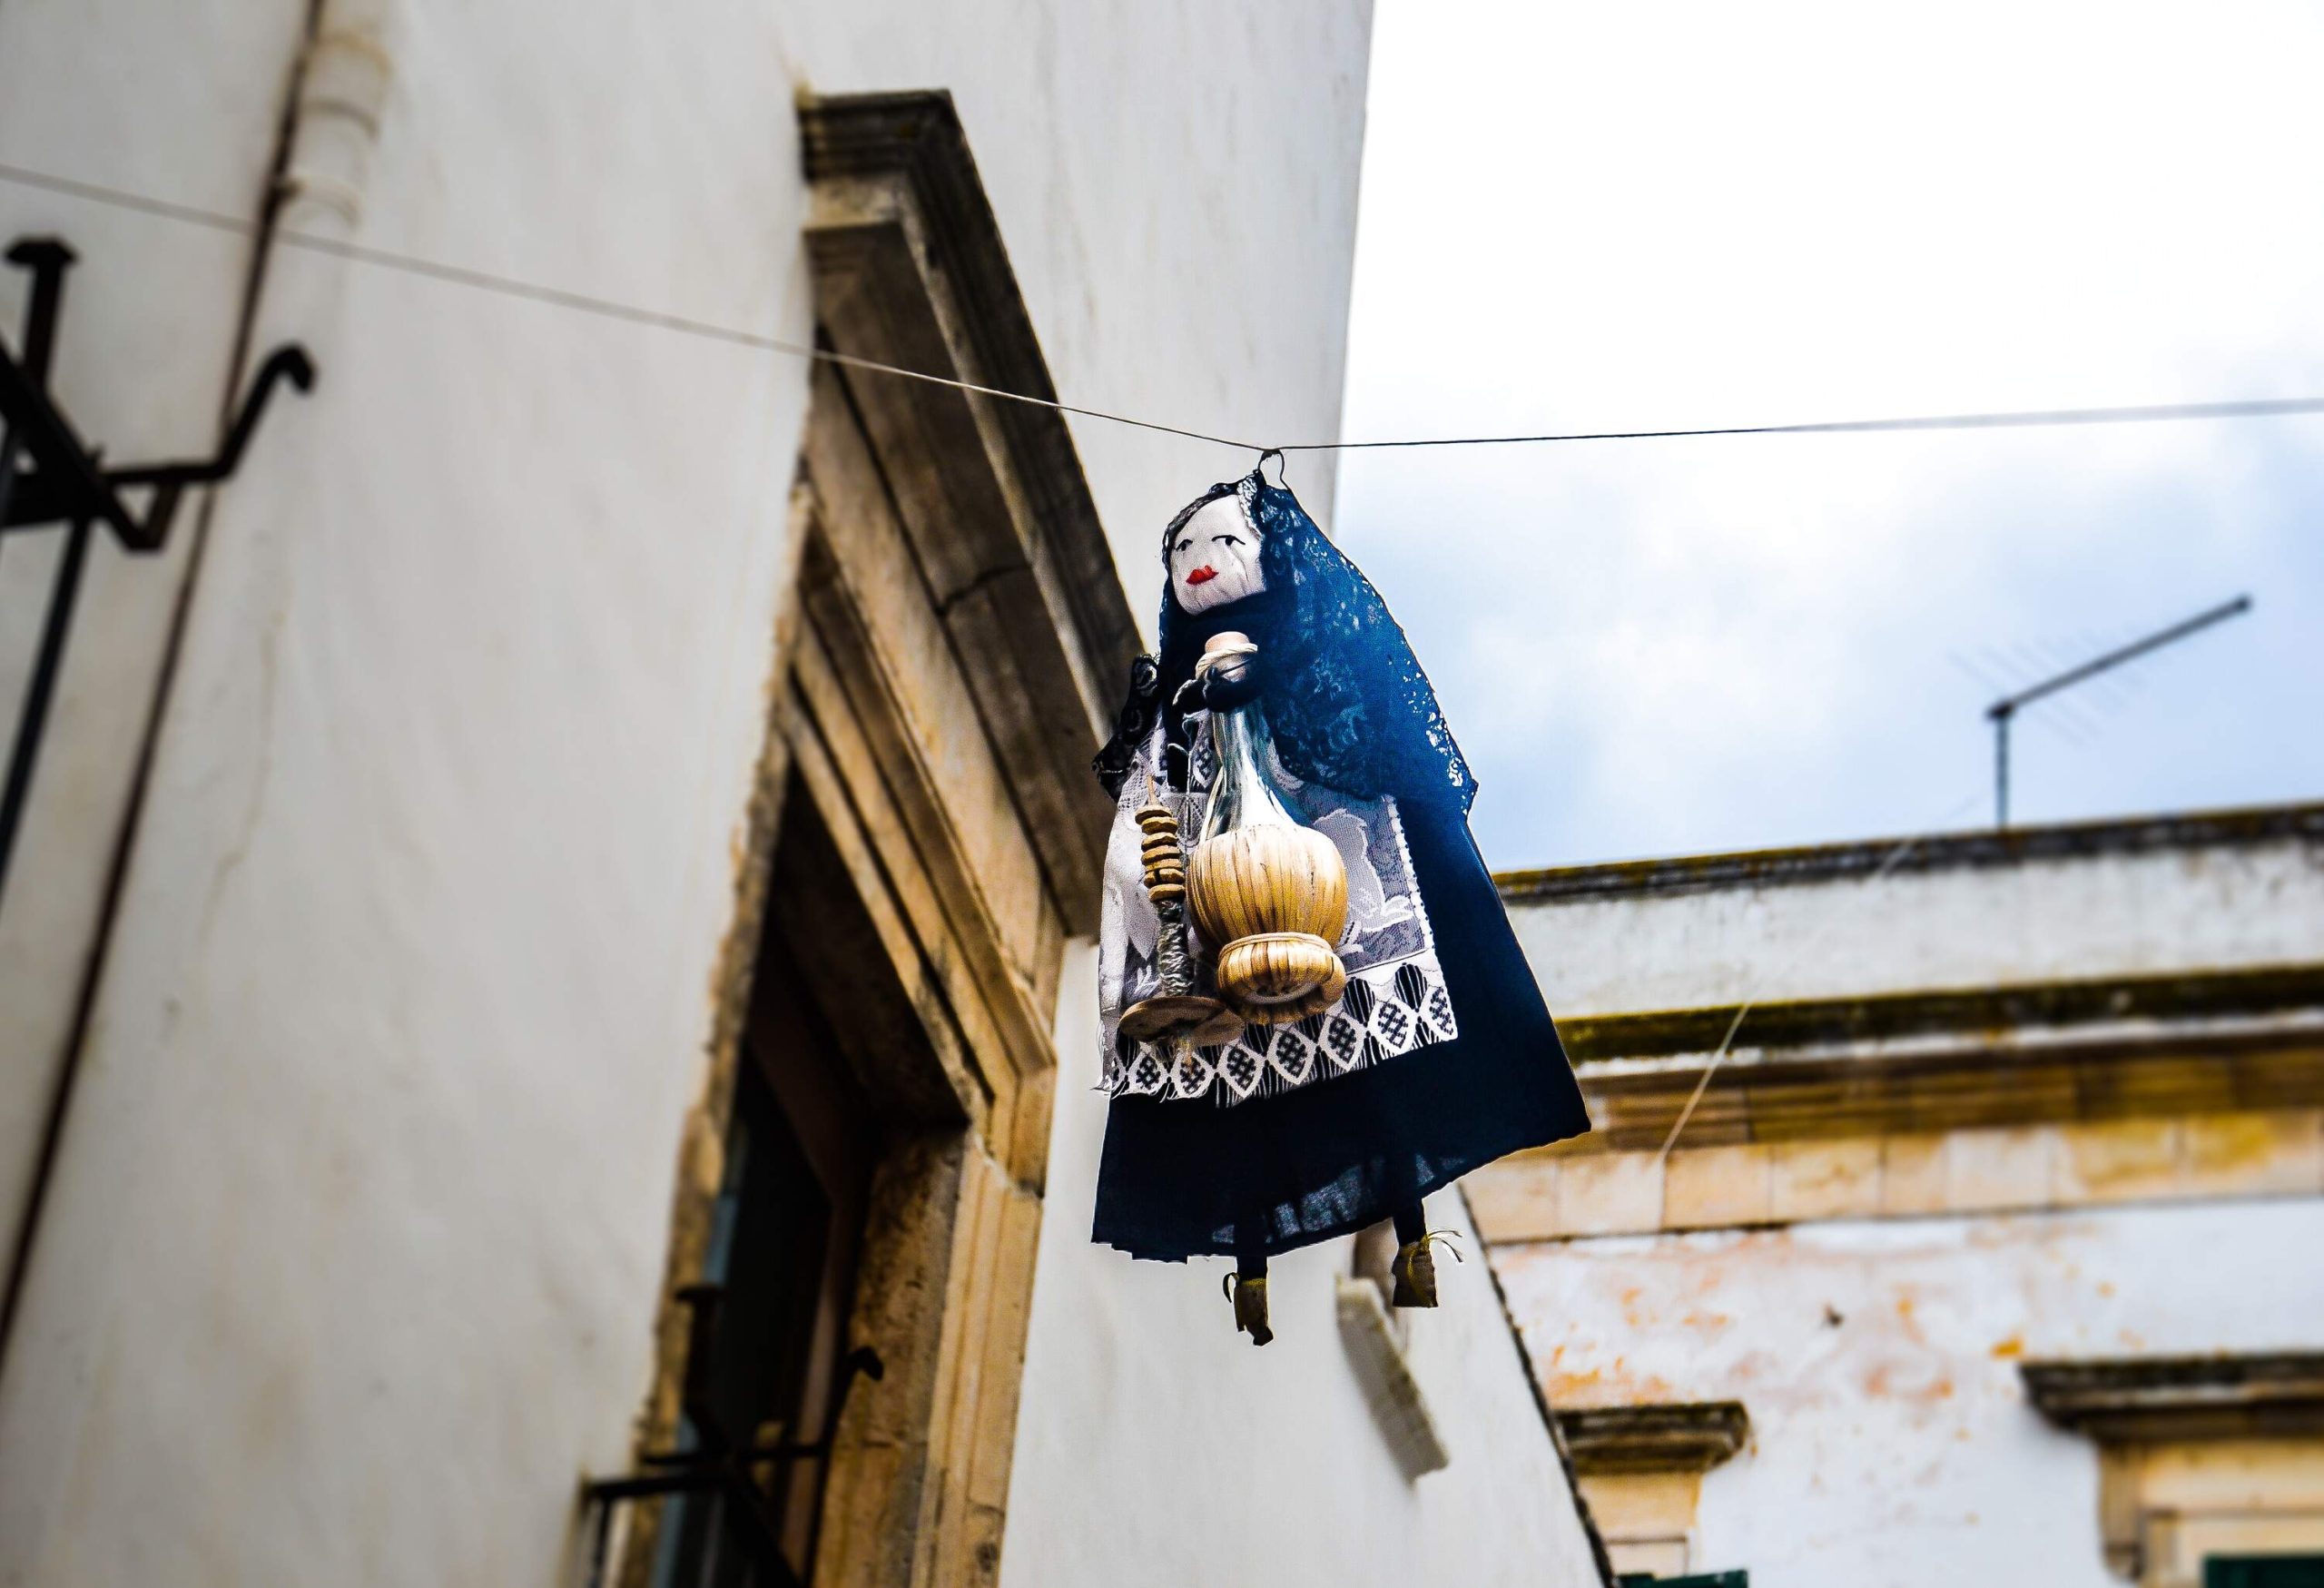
x=1611, y=217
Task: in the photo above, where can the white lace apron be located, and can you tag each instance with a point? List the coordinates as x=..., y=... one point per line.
x=1395, y=999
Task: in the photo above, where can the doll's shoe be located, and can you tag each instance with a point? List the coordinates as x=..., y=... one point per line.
x=1249, y=1294
x=1414, y=1270
x=1415, y=1274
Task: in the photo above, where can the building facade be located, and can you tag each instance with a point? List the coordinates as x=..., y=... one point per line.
x=545, y=1002
x=1988, y=1251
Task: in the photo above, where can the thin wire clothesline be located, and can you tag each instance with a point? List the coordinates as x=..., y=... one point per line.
x=558, y=297
x=1889, y=862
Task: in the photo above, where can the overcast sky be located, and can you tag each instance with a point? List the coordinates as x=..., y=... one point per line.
x=1591, y=216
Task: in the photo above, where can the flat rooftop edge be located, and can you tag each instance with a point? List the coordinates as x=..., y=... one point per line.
x=1990, y=847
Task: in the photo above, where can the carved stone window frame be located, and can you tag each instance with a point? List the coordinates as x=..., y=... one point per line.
x=2198, y=1455
x=1640, y=1470
x=950, y=578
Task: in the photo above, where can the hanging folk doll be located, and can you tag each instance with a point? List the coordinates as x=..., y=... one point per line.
x=1313, y=1010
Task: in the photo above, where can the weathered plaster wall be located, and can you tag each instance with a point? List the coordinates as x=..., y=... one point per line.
x=1154, y=1446
x=180, y=100
x=2088, y=916
x=1875, y=1334
x=1891, y=1445
x=351, y=1252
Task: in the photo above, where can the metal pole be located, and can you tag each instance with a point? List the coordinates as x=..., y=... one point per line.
x=46, y=665
x=2001, y=769
x=7, y=469
x=2001, y=711
x=2115, y=658
x=47, y=259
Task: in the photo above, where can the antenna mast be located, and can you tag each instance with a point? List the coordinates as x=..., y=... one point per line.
x=2001, y=711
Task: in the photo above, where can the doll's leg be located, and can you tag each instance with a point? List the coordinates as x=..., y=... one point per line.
x=1248, y=1290
x=1415, y=1270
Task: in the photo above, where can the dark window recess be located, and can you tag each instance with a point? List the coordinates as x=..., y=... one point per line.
x=2264, y=1572
x=771, y=1329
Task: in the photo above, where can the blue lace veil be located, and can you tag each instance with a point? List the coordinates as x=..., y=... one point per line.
x=1347, y=699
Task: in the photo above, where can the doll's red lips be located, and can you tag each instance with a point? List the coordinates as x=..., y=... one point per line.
x=1202, y=576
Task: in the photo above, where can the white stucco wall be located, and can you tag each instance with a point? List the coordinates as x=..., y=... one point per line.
x=1893, y=1448
x=1156, y=1446
x=351, y=1249
x=103, y=91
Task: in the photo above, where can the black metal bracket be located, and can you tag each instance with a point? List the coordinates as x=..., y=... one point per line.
x=67, y=483
x=717, y=1464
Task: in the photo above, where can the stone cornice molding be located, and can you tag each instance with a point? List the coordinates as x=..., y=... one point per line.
x=2267, y=993
x=2117, y=1048
x=2174, y=1399
x=1670, y=1438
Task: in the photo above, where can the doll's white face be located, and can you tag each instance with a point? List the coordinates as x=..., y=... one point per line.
x=1215, y=559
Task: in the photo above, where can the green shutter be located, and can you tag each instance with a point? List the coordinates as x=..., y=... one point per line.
x=2264, y=1572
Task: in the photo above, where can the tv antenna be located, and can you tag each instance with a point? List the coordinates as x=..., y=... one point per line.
x=2001, y=712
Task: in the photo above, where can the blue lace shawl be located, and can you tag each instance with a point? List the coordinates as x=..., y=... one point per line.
x=1346, y=699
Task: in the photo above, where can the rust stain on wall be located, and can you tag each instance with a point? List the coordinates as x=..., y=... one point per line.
x=1612, y=1385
